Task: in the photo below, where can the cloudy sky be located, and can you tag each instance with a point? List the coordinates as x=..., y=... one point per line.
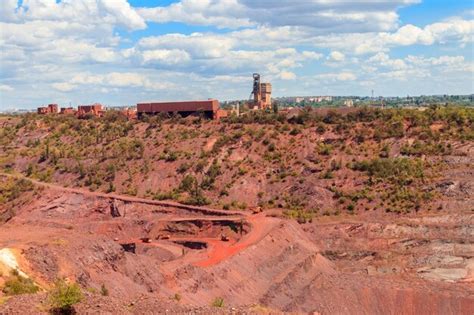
x=120, y=52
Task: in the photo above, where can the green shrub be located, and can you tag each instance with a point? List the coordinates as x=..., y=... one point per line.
x=218, y=302
x=63, y=297
x=183, y=168
x=197, y=200
x=188, y=183
x=130, y=148
x=171, y=157
x=328, y=174
x=17, y=284
x=200, y=166
x=103, y=290
x=221, y=142
x=171, y=195
x=390, y=129
x=211, y=175
x=324, y=149
x=11, y=189
x=396, y=170
x=177, y=297
x=300, y=215
x=321, y=128
x=419, y=148
x=295, y=131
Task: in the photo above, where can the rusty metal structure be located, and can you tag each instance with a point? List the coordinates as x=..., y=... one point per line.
x=262, y=93
x=210, y=108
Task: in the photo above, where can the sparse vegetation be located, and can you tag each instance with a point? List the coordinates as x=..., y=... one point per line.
x=103, y=290
x=64, y=296
x=397, y=170
x=16, y=284
x=218, y=302
x=196, y=197
x=261, y=148
x=11, y=189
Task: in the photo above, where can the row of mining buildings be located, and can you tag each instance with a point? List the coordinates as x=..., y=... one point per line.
x=207, y=108
x=262, y=100
x=82, y=110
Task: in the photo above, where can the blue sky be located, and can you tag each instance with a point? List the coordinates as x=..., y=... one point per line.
x=120, y=52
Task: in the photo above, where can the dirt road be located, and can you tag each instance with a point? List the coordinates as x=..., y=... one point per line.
x=85, y=192
x=219, y=251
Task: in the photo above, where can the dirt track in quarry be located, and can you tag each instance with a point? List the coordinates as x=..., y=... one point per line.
x=219, y=251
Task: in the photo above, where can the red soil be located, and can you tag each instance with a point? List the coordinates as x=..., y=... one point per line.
x=260, y=226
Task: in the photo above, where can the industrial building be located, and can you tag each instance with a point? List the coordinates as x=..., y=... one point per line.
x=129, y=113
x=262, y=100
x=210, y=108
x=67, y=111
x=50, y=109
x=262, y=93
x=94, y=110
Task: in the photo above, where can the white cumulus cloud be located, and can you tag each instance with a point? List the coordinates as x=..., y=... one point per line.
x=336, y=56
x=6, y=88
x=63, y=86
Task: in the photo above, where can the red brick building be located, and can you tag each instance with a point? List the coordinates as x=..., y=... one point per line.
x=95, y=110
x=42, y=110
x=209, y=108
x=50, y=109
x=67, y=111
x=53, y=108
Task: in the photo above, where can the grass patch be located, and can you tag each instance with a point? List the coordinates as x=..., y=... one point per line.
x=17, y=284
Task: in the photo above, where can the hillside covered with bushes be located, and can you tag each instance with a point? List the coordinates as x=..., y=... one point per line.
x=308, y=162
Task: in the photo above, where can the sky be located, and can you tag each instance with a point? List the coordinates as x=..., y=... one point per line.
x=119, y=52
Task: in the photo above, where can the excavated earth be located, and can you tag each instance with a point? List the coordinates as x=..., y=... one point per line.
x=420, y=264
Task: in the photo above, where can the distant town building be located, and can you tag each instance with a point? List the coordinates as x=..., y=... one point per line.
x=311, y=99
x=349, y=103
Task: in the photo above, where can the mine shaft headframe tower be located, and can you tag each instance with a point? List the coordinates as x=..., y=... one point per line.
x=256, y=88
x=262, y=93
